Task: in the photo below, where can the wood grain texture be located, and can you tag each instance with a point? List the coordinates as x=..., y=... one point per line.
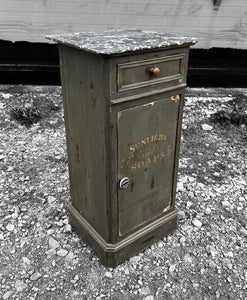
x=31, y=20
x=147, y=157
x=84, y=109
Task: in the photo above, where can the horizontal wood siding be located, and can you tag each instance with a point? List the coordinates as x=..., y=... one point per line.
x=31, y=20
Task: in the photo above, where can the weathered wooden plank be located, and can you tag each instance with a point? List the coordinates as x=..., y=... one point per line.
x=197, y=10
x=226, y=3
x=86, y=18
x=32, y=20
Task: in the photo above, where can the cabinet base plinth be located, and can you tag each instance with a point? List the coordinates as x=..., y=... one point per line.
x=112, y=255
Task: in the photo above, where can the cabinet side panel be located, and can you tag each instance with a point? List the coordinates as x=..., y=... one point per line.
x=84, y=108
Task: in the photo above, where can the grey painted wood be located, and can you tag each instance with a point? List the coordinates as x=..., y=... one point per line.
x=113, y=134
x=84, y=106
x=147, y=136
x=26, y=20
x=147, y=83
x=135, y=101
x=114, y=254
x=139, y=74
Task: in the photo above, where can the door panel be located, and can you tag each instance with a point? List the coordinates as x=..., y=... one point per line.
x=146, y=152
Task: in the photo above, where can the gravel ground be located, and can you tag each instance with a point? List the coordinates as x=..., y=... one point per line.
x=42, y=258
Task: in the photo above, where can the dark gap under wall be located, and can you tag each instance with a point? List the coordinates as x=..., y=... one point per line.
x=29, y=63
x=217, y=67
x=38, y=63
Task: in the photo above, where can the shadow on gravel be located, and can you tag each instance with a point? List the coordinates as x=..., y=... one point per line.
x=210, y=151
x=30, y=110
x=25, y=116
x=234, y=115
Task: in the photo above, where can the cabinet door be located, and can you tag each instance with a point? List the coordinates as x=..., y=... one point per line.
x=147, y=142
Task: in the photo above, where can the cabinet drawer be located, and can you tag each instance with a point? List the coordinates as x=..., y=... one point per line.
x=137, y=74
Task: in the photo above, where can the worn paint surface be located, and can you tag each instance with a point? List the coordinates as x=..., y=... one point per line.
x=129, y=74
x=85, y=133
x=137, y=74
x=113, y=134
x=146, y=141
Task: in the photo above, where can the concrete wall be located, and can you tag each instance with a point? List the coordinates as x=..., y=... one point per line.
x=31, y=20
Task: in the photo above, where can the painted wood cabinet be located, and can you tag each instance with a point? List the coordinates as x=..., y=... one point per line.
x=123, y=97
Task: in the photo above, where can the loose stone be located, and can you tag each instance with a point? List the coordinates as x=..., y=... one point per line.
x=188, y=259
x=7, y=295
x=181, y=214
x=189, y=204
x=216, y=174
x=206, y=127
x=14, y=216
x=26, y=260
x=50, y=252
x=62, y=252
x=10, y=227
x=70, y=256
x=243, y=231
x=53, y=243
x=172, y=268
x=51, y=199
x=134, y=259
x=67, y=228
x=20, y=285
x=145, y=291
x=180, y=187
x=226, y=203
x=35, y=276
x=213, y=251
x=182, y=240
x=197, y=223
x=160, y=244
x=108, y=274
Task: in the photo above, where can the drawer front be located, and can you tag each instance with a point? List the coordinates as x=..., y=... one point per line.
x=138, y=74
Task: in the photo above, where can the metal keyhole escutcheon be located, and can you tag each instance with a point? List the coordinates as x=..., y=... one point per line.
x=124, y=183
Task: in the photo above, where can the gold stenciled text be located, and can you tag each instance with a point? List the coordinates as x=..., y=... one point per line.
x=146, y=152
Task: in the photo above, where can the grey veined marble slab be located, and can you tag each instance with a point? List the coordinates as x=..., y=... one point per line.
x=120, y=41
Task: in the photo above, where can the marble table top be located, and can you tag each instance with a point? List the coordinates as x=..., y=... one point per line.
x=120, y=41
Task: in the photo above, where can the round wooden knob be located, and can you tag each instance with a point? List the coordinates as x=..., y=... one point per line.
x=155, y=71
